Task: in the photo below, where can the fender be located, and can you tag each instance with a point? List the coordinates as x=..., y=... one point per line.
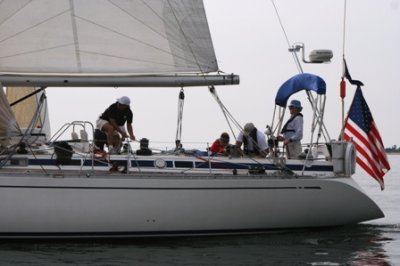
x=350, y=159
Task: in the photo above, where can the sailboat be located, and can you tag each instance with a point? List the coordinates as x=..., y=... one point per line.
x=53, y=190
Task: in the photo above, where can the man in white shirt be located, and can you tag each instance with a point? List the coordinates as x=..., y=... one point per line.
x=253, y=140
x=292, y=131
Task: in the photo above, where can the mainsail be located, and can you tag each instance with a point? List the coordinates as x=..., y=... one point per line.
x=65, y=40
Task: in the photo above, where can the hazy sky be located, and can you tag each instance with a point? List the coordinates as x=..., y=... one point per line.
x=248, y=41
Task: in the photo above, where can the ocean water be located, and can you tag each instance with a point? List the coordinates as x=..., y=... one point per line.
x=371, y=243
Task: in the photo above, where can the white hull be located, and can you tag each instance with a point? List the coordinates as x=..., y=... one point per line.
x=117, y=205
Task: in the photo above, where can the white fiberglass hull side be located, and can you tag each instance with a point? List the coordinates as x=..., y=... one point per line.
x=123, y=206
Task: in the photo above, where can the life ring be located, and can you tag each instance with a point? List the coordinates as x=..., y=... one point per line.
x=160, y=163
x=350, y=159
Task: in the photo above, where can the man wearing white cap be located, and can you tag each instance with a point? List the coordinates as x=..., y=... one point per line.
x=292, y=131
x=112, y=122
x=253, y=140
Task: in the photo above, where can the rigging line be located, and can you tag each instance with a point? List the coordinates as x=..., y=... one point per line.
x=234, y=121
x=274, y=115
x=146, y=25
x=297, y=62
x=281, y=23
x=224, y=110
x=35, y=25
x=287, y=38
x=27, y=96
x=16, y=11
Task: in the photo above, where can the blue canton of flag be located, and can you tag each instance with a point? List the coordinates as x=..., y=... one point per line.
x=361, y=129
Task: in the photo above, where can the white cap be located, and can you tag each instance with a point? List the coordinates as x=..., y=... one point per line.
x=248, y=127
x=124, y=100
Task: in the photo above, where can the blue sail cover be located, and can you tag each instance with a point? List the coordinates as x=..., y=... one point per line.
x=297, y=83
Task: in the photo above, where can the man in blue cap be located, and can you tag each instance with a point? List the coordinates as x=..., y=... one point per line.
x=292, y=131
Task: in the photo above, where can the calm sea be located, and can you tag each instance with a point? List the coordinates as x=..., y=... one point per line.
x=371, y=243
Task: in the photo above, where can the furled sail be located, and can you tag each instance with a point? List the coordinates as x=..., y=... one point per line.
x=31, y=112
x=78, y=38
x=8, y=124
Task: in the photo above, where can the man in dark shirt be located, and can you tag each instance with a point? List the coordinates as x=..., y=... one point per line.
x=112, y=122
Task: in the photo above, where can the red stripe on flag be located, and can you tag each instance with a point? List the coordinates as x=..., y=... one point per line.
x=364, y=158
x=371, y=155
x=381, y=150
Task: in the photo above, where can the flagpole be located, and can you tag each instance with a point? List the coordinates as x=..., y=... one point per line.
x=343, y=82
x=359, y=127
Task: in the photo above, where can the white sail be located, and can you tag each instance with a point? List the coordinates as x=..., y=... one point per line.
x=104, y=37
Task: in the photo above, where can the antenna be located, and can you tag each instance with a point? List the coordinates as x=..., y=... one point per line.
x=315, y=57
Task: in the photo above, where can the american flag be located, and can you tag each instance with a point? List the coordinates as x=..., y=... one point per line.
x=361, y=128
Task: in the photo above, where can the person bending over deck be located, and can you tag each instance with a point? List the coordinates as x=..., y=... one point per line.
x=221, y=145
x=253, y=140
x=292, y=131
x=112, y=122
